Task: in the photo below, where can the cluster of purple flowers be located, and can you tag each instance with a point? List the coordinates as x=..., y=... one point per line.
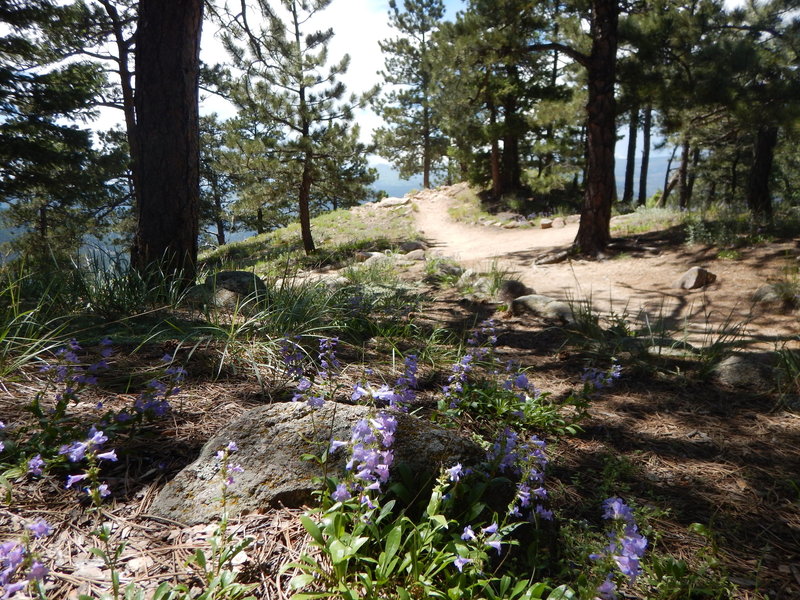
x=397, y=397
x=480, y=344
x=2, y=445
x=370, y=458
x=292, y=356
x=71, y=372
x=526, y=461
x=486, y=536
x=154, y=401
x=328, y=364
x=522, y=386
x=89, y=449
x=228, y=468
x=17, y=566
x=626, y=546
x=599, y=379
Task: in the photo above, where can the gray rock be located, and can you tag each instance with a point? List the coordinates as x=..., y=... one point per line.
x=242, y=283
x=376, y=257
x=510, y=289
x=364, y=255
x=446, y=267
x=415, y=255
x=546, y=223
x=509, y=216
x=391, y=202
x=573, y=219
x=512, y=224
x=199, y=295
x=412, y=245
x=695, y=278
x=543, y=306
x=750, y=371
x=272, y=439
x=767, y=294
x=559, y=223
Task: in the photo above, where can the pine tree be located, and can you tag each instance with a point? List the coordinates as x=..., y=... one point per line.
x=285, y=85
x=411, y=139
x=52, y=180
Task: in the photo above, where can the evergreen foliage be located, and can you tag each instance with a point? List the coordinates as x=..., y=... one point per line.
x=312, y=156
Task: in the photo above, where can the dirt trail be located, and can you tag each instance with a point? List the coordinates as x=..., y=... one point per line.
x=639, y=286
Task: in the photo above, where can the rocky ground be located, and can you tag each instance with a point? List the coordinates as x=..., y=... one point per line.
x=688, y=449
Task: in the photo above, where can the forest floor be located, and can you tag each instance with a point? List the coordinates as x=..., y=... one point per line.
x=684, y=450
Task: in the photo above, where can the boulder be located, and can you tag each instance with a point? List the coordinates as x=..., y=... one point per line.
x=546, y=223
x=768, y=294
x=271, y=441
x=543, y=306
x=573, y=219
x=509, y=216
x=412, y=245
x=511, y=289
x=391, y=202
x=243, y=283
x=415, y=255
x=750, y=371
x=364, y=255
x=559, y=223
x=694, y=278
x=376, y=257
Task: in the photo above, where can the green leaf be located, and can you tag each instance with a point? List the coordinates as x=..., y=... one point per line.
x=300, y=581
x=339, y=552
x=562, y=592
x=313, y=529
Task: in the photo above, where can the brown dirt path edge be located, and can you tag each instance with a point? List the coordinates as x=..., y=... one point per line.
x=637, y=285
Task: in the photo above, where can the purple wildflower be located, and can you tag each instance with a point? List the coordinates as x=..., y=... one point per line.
x=72, y=479
x=35, y=465
x=341, y=493
x=110, y=455
x=38, y=571
x=40, y=528
x=460, y=562
x=607, y=590
x=455, y=472
x=468, y=534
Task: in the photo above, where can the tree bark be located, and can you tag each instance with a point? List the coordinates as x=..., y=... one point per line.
x=305, y=200
x=630, y=163
x=643, y=171
x=758, y=197
x=684, y=192
x=594, y=230
x=668, y=183
x=497, y=183
x=512, y=171
x=167, y=130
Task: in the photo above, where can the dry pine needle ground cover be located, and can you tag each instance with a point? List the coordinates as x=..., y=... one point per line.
x=684, y=450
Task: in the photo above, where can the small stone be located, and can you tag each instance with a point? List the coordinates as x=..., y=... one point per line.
x=559, y=223
x=546, y=223
x=695, y=278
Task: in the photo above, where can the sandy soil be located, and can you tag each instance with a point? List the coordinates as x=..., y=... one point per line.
x=638, y=284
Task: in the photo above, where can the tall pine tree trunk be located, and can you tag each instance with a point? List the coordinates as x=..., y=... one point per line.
x=643, y=171
x=630, y=163
x=167, y=130
x=684, y=192
x=494, y=158
x=758, y=196
x=305, y=200
x=594, y=230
